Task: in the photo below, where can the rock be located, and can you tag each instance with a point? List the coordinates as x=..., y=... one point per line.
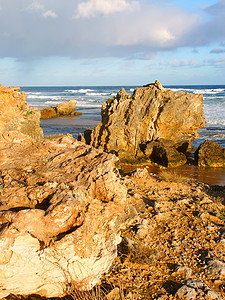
x=129, y=123
x=210, y=154
x=62, y=206
x=62, y=109
x=48, y=112
x=15, y=114
x=164, y=153
x=217, y=269
x=113, y=295
x=195, y=289
x=66, y=108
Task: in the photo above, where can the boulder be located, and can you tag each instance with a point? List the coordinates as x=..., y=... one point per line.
x=66, y=108
x=48, y=112
x=164, y=153
x=62, y=109
x=210, y=154
x=129, y=122
x=15, y=113
x=62, y=205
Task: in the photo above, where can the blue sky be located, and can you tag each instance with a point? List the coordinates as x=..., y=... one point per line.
x=112, y=42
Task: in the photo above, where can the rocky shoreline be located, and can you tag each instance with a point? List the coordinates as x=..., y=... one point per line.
x=70, y=220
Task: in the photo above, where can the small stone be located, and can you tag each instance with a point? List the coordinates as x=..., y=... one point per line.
x=113, y=295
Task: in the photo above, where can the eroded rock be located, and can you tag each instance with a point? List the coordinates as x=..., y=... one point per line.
x=210, y=154
x=15, y=113
x=62, y=204
x=130, y=122
x=62, y=109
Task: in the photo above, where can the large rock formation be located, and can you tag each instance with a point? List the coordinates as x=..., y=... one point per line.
x=62, y=204
x=15, y=113
x=152, y=113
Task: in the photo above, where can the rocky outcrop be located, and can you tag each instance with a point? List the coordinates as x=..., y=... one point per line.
x=131, y=122
x=61, y=109
x=210, y=154
x=62, y=205
x=15, y=113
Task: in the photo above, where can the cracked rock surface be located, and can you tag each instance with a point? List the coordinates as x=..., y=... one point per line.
x=62, y=204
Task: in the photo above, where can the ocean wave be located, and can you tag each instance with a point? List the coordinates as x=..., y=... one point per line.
x=53, y=102
x=218, y=122
x=209, y=91
x=80, y=91
x=44, y=97
x=98, y=94
x=215, y=98
x=200, y=91
x=33, y=93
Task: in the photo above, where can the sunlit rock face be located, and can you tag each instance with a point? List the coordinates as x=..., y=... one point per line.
x=62, y=205
x=152, y=113
x=15, y=113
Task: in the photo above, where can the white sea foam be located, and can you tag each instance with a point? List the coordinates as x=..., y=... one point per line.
x=80, y=91
x=200, y=91
x=52, y=102
x=88, y=104
x=98, y=94
x=44, y=97
x=33, y=93
x=209, y=91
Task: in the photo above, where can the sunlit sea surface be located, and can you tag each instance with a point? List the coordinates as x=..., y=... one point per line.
x=90, y=98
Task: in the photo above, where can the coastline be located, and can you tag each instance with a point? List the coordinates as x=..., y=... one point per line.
x=152, y=236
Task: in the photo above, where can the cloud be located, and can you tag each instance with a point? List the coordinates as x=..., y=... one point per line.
x=217, y=50
x=93, y=8
x=218, y=62
x=49, y=14
x=36, y=6
x=181, y=63
x=105, y=28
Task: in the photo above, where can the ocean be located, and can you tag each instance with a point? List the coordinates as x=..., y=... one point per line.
x=90, y=98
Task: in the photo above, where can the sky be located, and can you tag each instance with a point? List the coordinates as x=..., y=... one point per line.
x=111, y=42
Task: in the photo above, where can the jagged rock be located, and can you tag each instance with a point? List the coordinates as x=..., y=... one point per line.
x=15, y=113
x=164, y=153
x=62, y=204
x=62, y=109
x=48, y=112
x=210, y=154
x=129, y=122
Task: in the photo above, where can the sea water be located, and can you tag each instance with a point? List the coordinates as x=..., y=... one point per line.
x=90, y=98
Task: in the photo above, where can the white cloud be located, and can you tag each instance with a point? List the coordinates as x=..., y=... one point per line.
x=91, y=8
x=49, y=14
x=36, y=6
